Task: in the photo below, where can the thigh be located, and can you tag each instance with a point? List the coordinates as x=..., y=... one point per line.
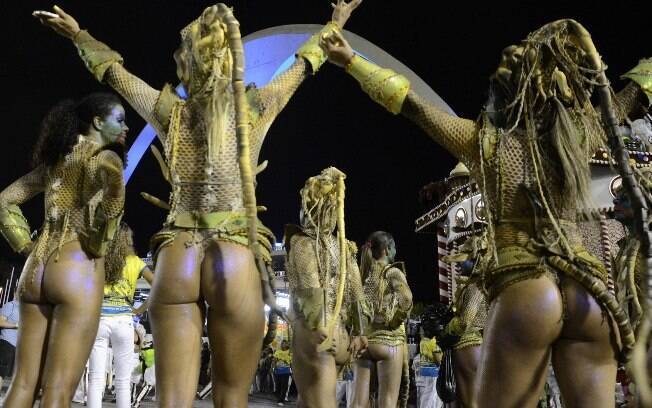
x=390, y=371
x=362, y=379
x=97, y=359
x=584, y=357
x=122, y=344
x=75, y=287
x=230, y=284
x=314, y=372
x=524, y=320
x=465, y=364
x=177, y=272
x=30, y=350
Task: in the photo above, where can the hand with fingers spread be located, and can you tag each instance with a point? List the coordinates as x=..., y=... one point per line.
x=338, y=49
x=61, y=22
x=342, y=11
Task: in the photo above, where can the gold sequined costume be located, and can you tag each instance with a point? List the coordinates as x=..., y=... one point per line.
x=202, y=161
x=533, y=170
x=73, y=198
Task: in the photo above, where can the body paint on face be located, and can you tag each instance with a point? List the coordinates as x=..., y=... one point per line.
x=114, y=128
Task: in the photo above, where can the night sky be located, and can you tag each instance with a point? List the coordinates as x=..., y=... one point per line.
x=329, y=121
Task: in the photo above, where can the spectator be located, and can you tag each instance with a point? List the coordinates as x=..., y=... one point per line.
x=283, y=371
x=9, y=317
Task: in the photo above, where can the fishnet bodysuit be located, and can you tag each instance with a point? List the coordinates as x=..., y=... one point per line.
x=471, y=308
x=385, y=302
x=508, y=171
x=198, y=185
x=307, y=269
x=73, y=188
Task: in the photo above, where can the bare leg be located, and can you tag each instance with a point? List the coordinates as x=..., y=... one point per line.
x=73, y=289
x=231, y=286
x=389, y=362
x=466, y=362
x=524, y=320
x=314, y=372
x=177, y=322
x=30, y=349
x=362, y=378
x=584, y=358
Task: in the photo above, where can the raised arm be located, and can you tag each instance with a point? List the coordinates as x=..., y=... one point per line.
x=106, y=66
x=310, y=57
x=392, y=91
x=13, y=225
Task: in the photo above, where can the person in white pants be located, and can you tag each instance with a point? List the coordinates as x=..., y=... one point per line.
x=122, y=268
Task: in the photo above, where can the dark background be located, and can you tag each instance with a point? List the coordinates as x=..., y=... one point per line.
x=454, y=46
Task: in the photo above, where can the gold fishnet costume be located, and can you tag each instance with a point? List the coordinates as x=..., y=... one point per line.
x=200, y=184
x=471, y=313
x=508, y=170
x=73, y=191
x=390, y=306
x=534, y=174
x=312, y=267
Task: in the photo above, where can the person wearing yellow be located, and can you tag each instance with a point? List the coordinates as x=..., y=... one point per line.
x=123, y=269
x=426, y=371
x=282, y=371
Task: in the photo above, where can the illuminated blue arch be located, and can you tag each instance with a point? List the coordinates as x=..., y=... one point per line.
x=271, y=51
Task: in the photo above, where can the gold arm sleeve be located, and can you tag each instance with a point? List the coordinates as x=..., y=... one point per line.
x=13, y=225
x=472, y=302
x=97, y=56
x=106, y=66
x=383, y=85
x=457, y=135
x=641, y=74
x=312, y=52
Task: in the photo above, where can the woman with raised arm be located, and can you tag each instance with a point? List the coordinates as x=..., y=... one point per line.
x=60, y=288
x=202, y=254
x=529, y=151
x=388, y=296
x=319, y=263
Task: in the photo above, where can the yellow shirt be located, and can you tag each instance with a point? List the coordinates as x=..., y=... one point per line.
x=283, y=357
x=428, y=348
x=119, y=296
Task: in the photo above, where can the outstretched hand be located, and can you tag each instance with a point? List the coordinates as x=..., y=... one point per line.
x=337, y=48
x=61, y=22
x=342, y=11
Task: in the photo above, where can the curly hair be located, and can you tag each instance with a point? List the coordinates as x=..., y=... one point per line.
x=121, y=246
x=65, y=122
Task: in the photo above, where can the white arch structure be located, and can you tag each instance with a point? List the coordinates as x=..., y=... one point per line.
x=271, y=51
